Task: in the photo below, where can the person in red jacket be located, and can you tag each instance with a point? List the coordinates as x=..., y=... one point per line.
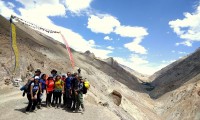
x=49, y=89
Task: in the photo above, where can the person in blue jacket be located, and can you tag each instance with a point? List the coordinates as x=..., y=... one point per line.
x=42, y=81
x=68, y=90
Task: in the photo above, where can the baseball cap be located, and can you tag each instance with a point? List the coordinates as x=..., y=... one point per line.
x=37, y=78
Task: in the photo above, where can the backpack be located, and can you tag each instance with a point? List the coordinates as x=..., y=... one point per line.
x=86, y=86
x=27, y=86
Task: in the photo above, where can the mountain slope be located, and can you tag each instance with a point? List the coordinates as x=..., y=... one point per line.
x=176, y=89
x=40, y=51
x=115, y=91
x=176, y=74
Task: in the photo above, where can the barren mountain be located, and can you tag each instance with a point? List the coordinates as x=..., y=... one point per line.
x=108, y=82
x=177, y=87
x=116, y=91
x=142, y=77
x=183, y=71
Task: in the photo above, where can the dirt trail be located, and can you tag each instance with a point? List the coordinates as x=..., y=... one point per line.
x=12, y=107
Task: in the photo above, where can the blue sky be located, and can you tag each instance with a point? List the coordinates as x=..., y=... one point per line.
x=145, y=35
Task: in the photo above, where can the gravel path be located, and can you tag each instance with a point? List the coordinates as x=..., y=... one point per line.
x=12, y=107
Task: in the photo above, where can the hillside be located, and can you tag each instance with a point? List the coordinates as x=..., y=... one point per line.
x=142, y=77
x=176, y=89
x=40, y=51
x=116, y=91
x=183, y=71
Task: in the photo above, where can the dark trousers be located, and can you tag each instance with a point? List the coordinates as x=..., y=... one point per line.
x=74, y=100
x=49, y=96
x=64, y=99
x=31, y=103
x=54, y=96
x=38, y=99
x=58, y=95
x=68, y=98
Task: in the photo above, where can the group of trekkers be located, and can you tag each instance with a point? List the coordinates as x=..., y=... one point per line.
x=70, y=86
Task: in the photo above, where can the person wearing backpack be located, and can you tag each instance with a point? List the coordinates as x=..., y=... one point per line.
x=49, y=90
x=43, y=87
x=34, y=88
x=25, y=87
x=58, y=90
x=79, y=93
x=74, y=86
x=68, y=90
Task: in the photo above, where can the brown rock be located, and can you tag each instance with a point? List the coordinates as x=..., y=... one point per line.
x=116, y=97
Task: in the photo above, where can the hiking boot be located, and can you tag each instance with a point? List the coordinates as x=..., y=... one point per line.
x=23, y=94
x=33, y=111
x=50, y=105
x=83, y=109
x=27, y=111
x=75, y=111
x=64, y=106
x=39, y=106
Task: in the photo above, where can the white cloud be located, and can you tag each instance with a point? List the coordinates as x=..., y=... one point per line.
x=11, y=5
x=173, y=51
x=77, y=42
x=135, y=46
x=188, y=28
x=6, y=10
x=91, y=42
x=53, y=8
x=101, y=53
x=138, y=60
x=46, y=8
x=107, y=38
x=76, y=6
x=129, y=31
x=135, y=32
x=186, y=43
x=180, y=52
x=110, y=47
x=102, y=23
x=107, y=24
x=140, y=64
x=168, y=61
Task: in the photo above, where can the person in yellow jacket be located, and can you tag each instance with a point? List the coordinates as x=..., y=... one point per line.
x=58, y=90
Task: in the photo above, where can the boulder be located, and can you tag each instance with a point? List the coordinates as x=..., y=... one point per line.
x=116, y=97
